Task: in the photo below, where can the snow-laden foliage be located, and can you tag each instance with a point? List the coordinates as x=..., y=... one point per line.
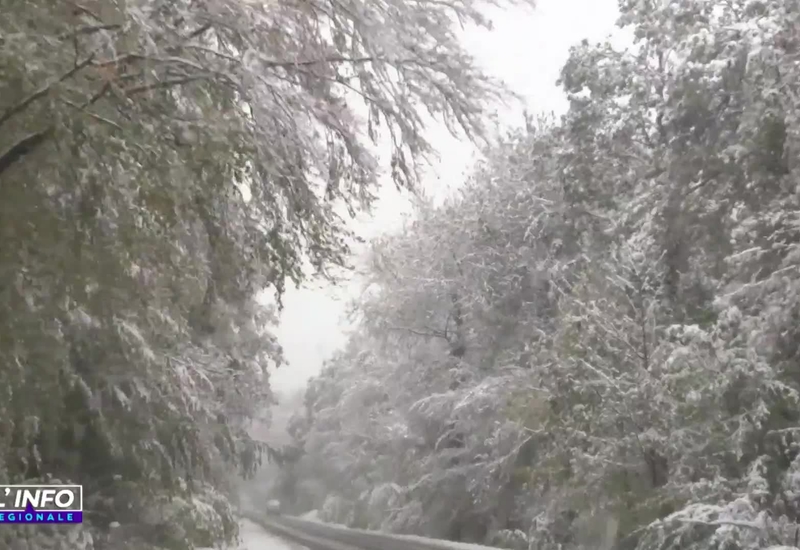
x=161, y=163
x=595, y=344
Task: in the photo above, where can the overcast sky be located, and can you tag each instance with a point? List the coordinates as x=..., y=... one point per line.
x=526, y=49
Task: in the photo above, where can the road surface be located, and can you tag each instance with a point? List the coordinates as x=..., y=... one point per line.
x=255, y=538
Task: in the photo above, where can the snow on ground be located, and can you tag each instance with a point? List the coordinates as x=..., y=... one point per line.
x=256, y=538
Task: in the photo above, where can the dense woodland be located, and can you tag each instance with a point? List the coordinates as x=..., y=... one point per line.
x=595, y=343
x=163, y=163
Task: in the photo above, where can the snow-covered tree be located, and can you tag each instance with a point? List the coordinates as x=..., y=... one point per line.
x=621, y=287
x=161, y=163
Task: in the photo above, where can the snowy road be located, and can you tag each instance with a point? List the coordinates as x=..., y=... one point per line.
x=255, y=538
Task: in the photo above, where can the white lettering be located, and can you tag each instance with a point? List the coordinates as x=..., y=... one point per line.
x=65, y=502
x=46, y=496
x=28, y=498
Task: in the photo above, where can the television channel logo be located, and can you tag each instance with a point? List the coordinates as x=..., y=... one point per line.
x=41, y=504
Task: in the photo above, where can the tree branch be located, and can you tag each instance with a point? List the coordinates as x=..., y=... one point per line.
x=93, y=115
x=166, y=83
x=429, y=334
x=89, y=29
x=43, y=91
x=23, y=147
x=199, y=31
x=29, y=144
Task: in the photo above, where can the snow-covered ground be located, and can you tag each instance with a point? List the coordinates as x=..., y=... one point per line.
x=255, y=538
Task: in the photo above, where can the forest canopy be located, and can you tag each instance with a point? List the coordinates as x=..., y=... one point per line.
x=594, y=343
x=162, y=163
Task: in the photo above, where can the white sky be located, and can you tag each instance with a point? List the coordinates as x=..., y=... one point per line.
x=526, y=49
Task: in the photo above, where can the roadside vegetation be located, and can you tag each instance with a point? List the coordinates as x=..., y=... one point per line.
x=162, y=164
x=595, y=342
